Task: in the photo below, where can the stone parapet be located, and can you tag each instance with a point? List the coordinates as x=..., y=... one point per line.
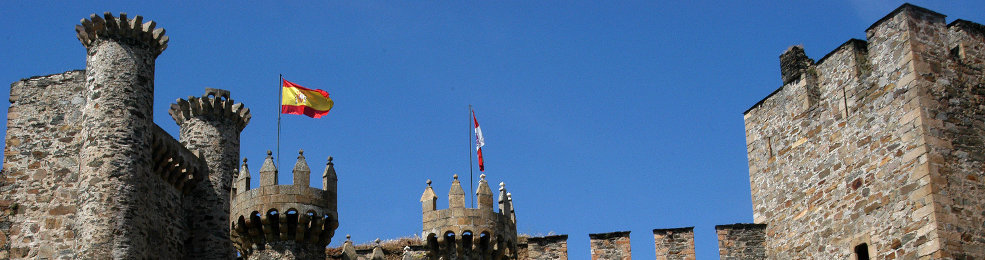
x=610, y=246
x=215, y=104
x=469, y=232
x=275, y=216
x=674, y=243
x=174, y=163
x=548, y=247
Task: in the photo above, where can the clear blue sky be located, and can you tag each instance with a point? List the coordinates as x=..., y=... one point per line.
x=600, y=117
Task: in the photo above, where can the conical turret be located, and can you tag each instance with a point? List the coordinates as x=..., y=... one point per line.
x=268, y=172
x=302, y=174
x=429, y=200
x=484, y=194
x=242, y=182
x=330, y=183
x=456, y=196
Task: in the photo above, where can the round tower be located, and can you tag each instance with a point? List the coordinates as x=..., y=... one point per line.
x=211, y=124
x=284, y=221
x=117, y=215
x=469, y=233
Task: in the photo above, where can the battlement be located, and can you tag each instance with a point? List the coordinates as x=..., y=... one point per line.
x=214, y=104
x=135, y=30
x=470, y=231
x=272, y=215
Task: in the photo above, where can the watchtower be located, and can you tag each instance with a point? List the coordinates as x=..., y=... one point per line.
x=123, y=204
x=211, y=125
x=284, y=221
x=469, y=233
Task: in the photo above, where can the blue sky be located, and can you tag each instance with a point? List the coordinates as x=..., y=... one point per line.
x=599, y=117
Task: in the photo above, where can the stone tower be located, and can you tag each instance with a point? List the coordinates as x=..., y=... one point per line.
x=124, y=200
x=876, y=149
x=469, y=233
x=211, y=125
x=284, y=221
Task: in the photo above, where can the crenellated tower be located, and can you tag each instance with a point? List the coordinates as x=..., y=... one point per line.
x=211, y=124
x=469, y=233
x=123, y=203
x=284, y=221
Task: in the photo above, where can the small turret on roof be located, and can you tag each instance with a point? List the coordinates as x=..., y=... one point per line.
x=456, y=196
x=484, y=193
x=268, y=171
x=429, y=200
x=302, y=173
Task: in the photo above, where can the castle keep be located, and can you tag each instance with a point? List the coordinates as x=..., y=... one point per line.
x=877, y=148
x=873, y=151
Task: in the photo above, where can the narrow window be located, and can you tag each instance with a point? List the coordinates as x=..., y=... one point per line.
x=862, y=252
x=769, y=147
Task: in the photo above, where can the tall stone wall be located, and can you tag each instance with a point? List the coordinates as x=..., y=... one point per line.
x=674, y=243
x=742, y=241
x=610, y=246
x=548, y=247
x=884, y=155
x=40, y=180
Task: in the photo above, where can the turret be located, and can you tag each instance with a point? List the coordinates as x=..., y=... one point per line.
x=429, y=201
x=121, y=195
x=275, y=219
x=474, y=233
x=456, y=196
x=211, y=124
x=330, y=182
x=484, y=195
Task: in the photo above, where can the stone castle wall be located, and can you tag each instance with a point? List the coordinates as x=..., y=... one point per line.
x=39, y=185
x=674, y=243
x=547, y=248
x=741, y=241
x=610, y=246
x=874, y=144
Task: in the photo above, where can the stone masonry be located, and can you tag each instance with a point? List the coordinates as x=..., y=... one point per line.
x=879, y=143
x=610, y=246
x=469, y=233
x=875, y=149
x=548, y=247
x=284, y=221
x=674, y=243
x=741, y=241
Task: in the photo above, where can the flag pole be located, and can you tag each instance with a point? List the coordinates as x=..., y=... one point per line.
x=471, y=128
x=280, y=98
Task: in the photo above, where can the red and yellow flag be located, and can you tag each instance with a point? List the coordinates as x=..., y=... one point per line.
x=298, y=100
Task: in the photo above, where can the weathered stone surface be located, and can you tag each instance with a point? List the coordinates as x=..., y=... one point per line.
x=40, y=180
x=548, y=248
x=674, y=243
x=469, y=233
x=610, y=246
x=888, y=154
x=741, y=241
x=283, y=221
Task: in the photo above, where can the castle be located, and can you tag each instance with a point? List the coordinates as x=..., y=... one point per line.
x=873, y=151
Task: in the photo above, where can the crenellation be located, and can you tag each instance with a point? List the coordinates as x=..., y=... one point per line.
x=674, y=243
x=741, y=241
x=610, y=246
x=553, y=247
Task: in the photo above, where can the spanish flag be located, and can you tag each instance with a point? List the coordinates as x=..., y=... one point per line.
x=298, y=100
